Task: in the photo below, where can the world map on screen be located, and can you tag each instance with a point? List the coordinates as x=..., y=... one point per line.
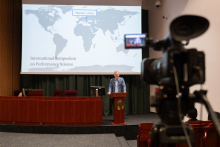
x=64, y=36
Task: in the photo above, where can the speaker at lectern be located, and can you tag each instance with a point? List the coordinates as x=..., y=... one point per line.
x=97, y=90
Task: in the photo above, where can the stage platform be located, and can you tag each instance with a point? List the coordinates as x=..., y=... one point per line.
x=129, y=131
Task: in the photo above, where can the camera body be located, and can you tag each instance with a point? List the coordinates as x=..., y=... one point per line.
x=189, y=64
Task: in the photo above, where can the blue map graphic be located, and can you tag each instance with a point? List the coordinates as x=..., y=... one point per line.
x=106, y=20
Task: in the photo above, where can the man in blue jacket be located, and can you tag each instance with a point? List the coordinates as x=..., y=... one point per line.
x=116, y=84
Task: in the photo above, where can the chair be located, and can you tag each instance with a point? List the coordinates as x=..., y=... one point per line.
x=35, y=92
x=70, y=93
x=143, y=139
x=199, y=134
x=198, y=123
x=57, y=92
x=212, y=139
x=208, y=123
x=16, y=92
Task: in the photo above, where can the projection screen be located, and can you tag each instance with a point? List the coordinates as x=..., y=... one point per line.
x=79, y=39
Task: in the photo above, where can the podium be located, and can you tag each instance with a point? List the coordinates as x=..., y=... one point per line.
x=118, y=108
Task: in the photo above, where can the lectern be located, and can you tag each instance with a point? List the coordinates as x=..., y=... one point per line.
x=119, y=108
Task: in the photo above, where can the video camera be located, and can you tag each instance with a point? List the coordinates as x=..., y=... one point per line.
x=174, y=73
x=190, y=64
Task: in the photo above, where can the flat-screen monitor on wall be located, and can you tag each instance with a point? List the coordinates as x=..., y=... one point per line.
x=79, y=39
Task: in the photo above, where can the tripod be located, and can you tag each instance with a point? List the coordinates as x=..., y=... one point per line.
x=170, y=130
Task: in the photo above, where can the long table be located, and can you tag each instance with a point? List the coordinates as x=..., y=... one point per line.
x=51, y=111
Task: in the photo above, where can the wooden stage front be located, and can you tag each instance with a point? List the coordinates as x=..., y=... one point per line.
x=51, y=111
x=64, y=115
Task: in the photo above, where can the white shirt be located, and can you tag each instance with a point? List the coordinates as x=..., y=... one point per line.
x=116, y=85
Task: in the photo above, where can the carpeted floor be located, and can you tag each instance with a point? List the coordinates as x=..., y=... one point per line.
x=134, y=119
x=57, y=140
x=76, y=136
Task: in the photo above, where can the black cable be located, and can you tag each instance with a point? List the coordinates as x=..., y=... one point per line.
x=179, y=108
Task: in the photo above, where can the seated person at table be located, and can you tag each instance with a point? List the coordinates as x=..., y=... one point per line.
x=20, y=94
x=192, y=114
x=23, y=93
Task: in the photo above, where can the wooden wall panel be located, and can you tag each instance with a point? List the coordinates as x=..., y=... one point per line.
x=10, y=28
x=6, y=29
x=17, y=37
